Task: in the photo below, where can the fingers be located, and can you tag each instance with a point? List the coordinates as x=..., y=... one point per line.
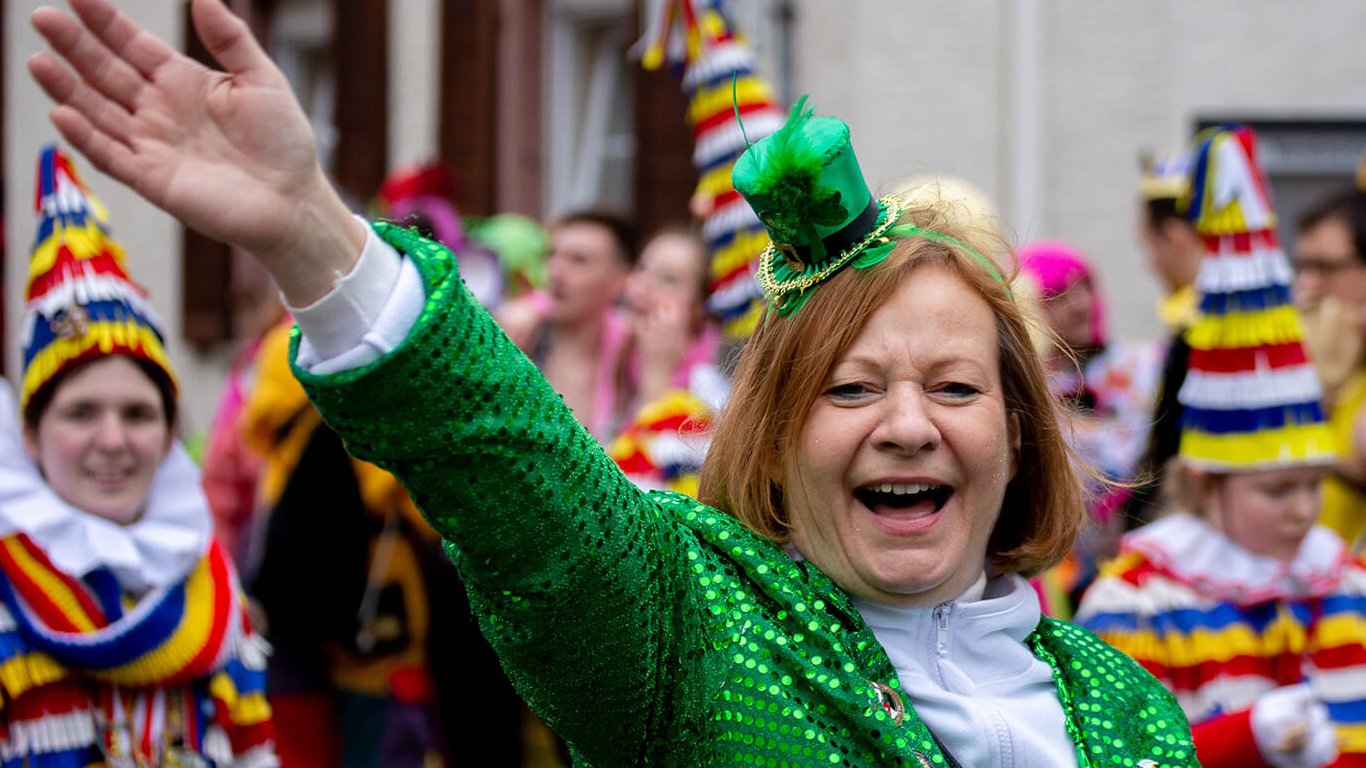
x=113, y=77
x=64, y=88
x=109, y=156
x=140, y=49
x=228, y=40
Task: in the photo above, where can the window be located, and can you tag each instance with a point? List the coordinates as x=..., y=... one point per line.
x=589, y=129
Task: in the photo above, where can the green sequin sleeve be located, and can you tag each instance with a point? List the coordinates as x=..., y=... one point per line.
x=565, y=560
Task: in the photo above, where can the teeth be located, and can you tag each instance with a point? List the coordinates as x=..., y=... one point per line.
x=904, y=489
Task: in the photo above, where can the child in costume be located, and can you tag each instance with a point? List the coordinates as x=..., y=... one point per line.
x=852, y=590
x=1250, y=613
x=123, y=635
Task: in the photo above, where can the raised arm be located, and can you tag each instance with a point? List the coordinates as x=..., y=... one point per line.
x=180, y=134
x=581, y=581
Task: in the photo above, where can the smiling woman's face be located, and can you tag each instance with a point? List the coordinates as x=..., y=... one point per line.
x=897, y=478
x=101, y=439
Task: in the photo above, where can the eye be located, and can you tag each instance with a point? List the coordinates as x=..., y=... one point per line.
x=79, y=412
x=141, y=413
x=849, y=393
x=1280, y=491
x=957, y=390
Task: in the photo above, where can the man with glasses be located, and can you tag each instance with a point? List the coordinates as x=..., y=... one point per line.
x=1330, y=288
x=1329, y=260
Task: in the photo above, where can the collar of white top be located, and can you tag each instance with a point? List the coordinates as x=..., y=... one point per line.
x=998, y=605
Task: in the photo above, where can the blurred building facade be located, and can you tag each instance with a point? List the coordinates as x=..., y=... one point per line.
x=1044, y=104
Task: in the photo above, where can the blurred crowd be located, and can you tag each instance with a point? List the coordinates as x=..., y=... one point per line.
x=1243, y=592
x=620, y=326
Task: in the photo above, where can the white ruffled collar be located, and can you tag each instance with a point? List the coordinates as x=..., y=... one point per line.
x=158, y=549
x=1186, y=547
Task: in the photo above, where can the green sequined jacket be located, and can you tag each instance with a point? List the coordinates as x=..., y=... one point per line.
x=649, y=629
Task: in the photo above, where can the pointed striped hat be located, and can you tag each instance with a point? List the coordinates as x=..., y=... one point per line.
x=80, y=301
x=1252, y=400
x=721, y=79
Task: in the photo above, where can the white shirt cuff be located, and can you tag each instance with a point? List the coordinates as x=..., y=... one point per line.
x=368, y=312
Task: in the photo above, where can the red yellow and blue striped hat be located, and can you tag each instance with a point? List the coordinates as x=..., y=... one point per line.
x=80, y=301
x=1251, y=397
x=723, y=84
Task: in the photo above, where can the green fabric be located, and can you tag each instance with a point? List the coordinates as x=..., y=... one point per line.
x=649, y=629
x=911, y=230
x=803, y=181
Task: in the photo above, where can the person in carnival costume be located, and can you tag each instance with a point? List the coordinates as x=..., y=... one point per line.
x=1108, y=388
x=670, y=365
x=423, y=196
x=849, y=589
x=123, y=635
x=1252, y=614
x=1174, y=251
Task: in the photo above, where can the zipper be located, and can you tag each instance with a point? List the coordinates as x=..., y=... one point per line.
x=941, y=617
x=941, y=643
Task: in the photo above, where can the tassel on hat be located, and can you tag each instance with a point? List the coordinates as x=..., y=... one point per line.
x=81, y=302
x=1252, y=399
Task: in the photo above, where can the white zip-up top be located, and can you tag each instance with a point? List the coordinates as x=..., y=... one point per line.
x=967, y=670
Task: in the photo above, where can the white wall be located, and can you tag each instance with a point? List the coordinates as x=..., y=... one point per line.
x=414, y=64
x=936, y=86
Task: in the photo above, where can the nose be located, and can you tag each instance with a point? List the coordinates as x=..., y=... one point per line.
x=1306, y=503
x=111, y=434
x=907, y=426
x=554, y=267
x=1307, y=288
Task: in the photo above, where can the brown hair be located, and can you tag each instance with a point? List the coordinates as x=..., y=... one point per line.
x=621, y=230
x=784, y=368
x=1349, y=207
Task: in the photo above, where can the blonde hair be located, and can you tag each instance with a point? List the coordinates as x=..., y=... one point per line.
x=785, y=365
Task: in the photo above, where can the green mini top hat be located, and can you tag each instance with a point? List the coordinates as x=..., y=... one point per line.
x=804, y=183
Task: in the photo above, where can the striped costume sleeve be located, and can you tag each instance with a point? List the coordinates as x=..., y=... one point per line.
x=1337, y=664
x=1118, y=610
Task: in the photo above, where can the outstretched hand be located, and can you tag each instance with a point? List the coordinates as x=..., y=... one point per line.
x=229, y=153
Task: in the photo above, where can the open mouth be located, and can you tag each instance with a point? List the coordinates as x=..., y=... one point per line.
x=903, y=499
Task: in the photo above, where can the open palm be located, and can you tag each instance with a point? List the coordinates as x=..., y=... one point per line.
x=228, y=153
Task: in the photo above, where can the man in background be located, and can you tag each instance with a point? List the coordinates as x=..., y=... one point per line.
x=574, y=330
x=1330, y=289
